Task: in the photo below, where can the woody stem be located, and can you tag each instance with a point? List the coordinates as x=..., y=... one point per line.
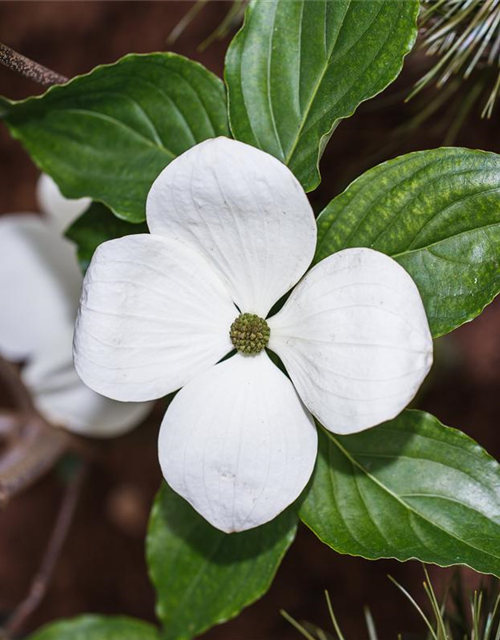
x=29, y=68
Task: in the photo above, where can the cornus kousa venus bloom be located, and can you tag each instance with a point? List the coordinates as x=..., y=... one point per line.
x=232, y=231
x=40, y=285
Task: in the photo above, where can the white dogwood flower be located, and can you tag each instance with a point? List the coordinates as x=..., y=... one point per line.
x=231, y=232
x=40, y=285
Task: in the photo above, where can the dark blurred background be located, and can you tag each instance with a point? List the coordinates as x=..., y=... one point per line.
x=102, y=568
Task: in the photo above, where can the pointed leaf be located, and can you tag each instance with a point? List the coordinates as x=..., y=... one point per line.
x=438, y=214
x=109, y=133
x=298, y=67
x=202, y=576
x=410, y=488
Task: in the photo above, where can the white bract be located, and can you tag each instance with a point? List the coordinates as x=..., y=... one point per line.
x=60, y=211
x=40, y=285
x=231, y=232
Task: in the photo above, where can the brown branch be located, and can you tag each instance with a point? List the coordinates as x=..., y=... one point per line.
x=41, y=581
x=10, y=424
x=15, y=387
x=37, y=445
x=29, y=68
x=28, y=458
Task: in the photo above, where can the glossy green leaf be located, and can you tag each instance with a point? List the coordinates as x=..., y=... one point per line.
x=90, y=627
x=438, y=214
x=95, y=226
x=108, y=134
x=298, y=67
x=410, y=488
x=202, y=576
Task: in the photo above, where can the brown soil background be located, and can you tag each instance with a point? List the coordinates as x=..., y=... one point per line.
x=102, y=567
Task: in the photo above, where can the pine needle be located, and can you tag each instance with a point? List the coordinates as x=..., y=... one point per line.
x=464, y=36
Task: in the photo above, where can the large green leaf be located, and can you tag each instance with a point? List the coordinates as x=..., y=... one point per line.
x=410, y=488
x=108, y=134
x=95, y=226
x=97, y=628
x=203, y=576
x=297, y=67
x=438, y=214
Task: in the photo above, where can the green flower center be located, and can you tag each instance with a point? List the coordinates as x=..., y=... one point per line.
x=249, y=333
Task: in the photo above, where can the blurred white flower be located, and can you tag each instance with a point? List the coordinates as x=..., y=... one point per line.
x=40, y=285
x=60, y=211
x=231, y=232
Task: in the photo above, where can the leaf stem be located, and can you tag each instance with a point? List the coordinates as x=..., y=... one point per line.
x=29, y=68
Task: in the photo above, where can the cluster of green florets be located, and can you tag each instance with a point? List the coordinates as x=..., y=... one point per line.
x=249, y=333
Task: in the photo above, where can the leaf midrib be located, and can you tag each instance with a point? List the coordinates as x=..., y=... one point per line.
x=315, y=90
x=181, y=607
x=357, y=190
x=122, y=125
x=375, y=480
x=427, y=247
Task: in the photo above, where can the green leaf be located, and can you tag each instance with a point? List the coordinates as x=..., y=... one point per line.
x=202, y=576
x=95, y=226
x=90, y=627
x=298, y=67
x=410, y=488
x=438, y=214
x=109, y=134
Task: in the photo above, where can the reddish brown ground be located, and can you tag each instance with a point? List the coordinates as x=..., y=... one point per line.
x=102, y=568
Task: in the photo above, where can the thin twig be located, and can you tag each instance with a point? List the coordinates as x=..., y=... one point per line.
x=29, y=68
x=41, y=581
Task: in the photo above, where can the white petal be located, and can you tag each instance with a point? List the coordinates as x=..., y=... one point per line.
x=153, y=314
x=245, y=211
x=65, y=400
x=355, y=340
x=61, y=211
x=40, y=283
x=238, y=444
